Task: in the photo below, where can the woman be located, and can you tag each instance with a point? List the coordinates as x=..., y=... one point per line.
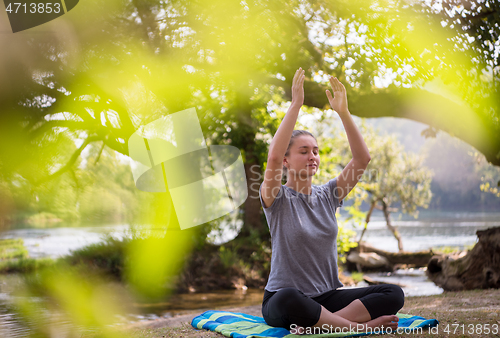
x=302, y=290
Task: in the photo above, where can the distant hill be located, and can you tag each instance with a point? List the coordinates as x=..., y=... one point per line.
x=457, y=172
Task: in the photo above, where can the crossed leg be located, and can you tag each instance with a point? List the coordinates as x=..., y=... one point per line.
x=354, y=316
x=384, y=301
x=350, y=318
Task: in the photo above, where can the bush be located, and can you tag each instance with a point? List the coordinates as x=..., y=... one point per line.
x=25, y=265
x=12, y=249
x=108, y=256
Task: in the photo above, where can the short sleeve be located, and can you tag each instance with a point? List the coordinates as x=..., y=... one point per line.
x=276, y=201
x=335, y=193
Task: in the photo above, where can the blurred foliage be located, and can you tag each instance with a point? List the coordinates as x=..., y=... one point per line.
x=107, y=68
x=494, y=190
x=14, y=257
x=170, y=55
x=101, y=190
x=451, y=249
x=490, y=176
x=227, y=256
x=107, y=192
x=75, y=294
x=107, y=257
x=12, y=248
x=346, y=240
x=357, y=276
x=64, y=300
x=25, y=265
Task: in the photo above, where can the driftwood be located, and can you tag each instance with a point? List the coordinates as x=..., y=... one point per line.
x=366, y=257
x=370, y=281
x=369, y=260
x=477, y=269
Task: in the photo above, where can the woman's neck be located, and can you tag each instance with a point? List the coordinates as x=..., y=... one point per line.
x=300, y=185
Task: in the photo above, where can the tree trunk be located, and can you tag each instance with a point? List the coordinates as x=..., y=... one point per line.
x=253, y=220
x=478, y=269
x=368, y=215
x=253, y=227
x=394, y=231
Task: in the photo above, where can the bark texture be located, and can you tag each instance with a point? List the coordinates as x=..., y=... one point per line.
x=477, y=269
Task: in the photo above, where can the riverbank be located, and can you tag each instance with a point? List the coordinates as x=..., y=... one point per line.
x=464, y=313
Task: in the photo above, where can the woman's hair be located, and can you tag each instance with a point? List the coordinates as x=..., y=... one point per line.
x=295, y=133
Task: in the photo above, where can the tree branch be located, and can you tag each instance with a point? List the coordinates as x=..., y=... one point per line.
x=71, y=161
x=100, y=153
x=46, y=126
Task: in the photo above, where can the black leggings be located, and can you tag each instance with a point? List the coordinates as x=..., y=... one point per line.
x=291, y=306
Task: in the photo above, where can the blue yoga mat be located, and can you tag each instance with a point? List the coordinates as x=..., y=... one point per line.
x=241, y=325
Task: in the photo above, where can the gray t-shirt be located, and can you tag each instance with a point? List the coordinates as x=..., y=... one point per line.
x=304, y=239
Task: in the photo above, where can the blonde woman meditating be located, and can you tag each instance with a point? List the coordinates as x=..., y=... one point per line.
x=303, y=286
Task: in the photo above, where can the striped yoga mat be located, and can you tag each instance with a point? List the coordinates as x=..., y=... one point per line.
x=241, y=325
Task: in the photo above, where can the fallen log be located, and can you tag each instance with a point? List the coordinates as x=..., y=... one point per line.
x=369, y=260
x=477, y=269
x=371, y=281
x=360, y=258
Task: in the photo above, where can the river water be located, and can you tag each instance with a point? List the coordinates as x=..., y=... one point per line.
x=430, y=230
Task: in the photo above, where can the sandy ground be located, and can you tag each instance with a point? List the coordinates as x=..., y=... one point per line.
x=460, y=314
x=177, y=321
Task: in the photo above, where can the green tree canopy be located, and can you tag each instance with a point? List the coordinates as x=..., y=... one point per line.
x=108, y=68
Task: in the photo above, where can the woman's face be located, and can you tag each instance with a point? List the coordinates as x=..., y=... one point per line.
x=303, y=159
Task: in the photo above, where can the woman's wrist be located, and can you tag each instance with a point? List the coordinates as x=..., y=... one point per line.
x=296, y=104
x=345, y=114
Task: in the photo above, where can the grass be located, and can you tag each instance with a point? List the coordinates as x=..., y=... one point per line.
x=460, y=314
x=25, y=265
x=12, y=249
x=106, y=256
x=451, y=249
x=357, y=276
x=14, y=257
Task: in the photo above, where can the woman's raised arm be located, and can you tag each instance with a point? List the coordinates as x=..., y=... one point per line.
x=274, y=170
x=360, y=155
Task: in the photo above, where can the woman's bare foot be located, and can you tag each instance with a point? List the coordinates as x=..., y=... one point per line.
x=382, y=323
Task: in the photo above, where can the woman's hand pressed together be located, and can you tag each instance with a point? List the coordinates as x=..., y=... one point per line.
x=339, y=100
x=298, y=87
